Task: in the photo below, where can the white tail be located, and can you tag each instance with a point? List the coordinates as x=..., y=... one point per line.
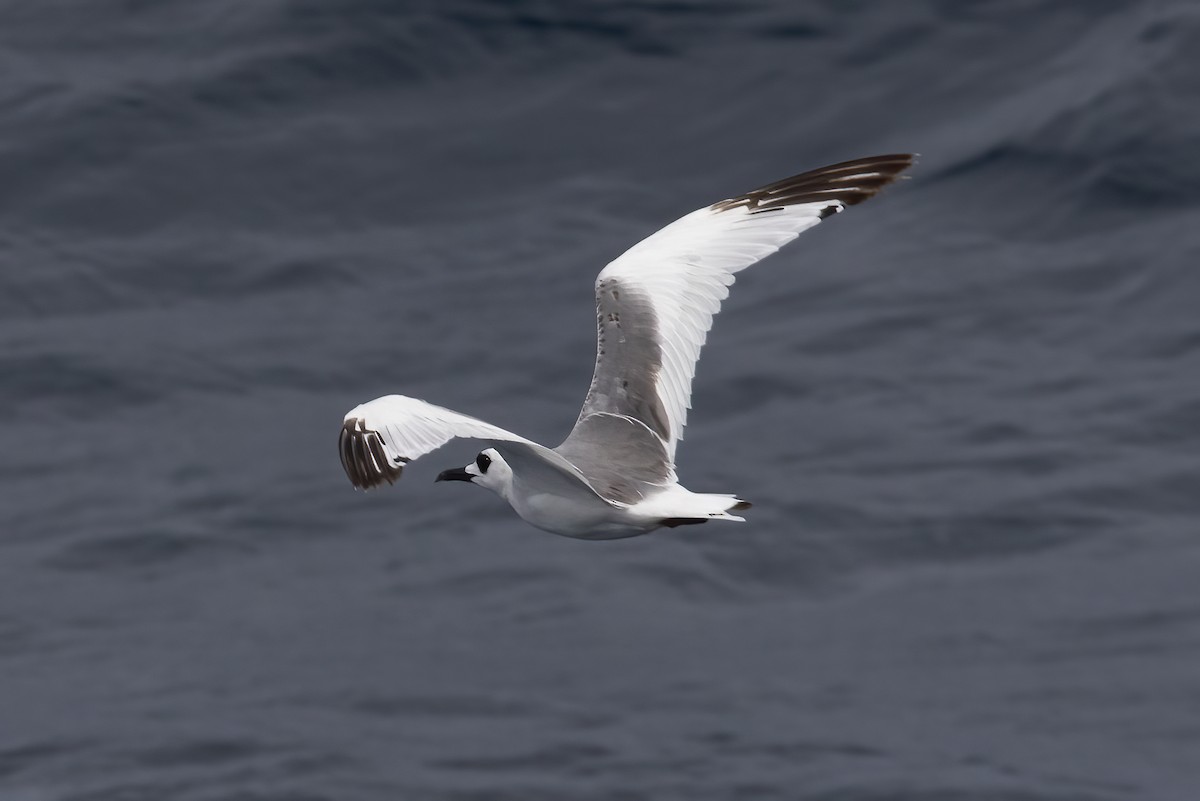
x=683, y=507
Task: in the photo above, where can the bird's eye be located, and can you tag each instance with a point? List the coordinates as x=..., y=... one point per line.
x=482, y=461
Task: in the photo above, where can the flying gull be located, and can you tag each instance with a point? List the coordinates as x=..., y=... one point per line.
x=614, y=474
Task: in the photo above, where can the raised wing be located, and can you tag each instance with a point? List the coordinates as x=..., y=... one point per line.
x=655, y=303
x=380, y=437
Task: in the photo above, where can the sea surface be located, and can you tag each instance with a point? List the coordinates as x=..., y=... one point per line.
x=967, y=412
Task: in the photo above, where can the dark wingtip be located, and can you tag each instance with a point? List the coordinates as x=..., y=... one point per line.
x=740, y=506
x=363, y=456
x=846, y=183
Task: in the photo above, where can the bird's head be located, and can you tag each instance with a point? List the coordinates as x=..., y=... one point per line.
x=488, y=470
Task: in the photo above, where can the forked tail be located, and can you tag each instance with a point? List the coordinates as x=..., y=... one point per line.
x=702, y=507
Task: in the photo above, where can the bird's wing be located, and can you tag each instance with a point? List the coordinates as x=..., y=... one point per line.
x=380, y=437
x=622, y=459
x=655, y=303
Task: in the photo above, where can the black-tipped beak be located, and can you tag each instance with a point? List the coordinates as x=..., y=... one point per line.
x=457, y=474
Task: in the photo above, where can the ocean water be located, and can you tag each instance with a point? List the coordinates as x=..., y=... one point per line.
x=967, y=412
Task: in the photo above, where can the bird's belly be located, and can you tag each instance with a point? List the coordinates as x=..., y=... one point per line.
x=570, y=518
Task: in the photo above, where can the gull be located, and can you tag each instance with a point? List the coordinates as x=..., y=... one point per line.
x=614, y=474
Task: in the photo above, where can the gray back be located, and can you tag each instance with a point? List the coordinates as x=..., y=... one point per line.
x=621, y=458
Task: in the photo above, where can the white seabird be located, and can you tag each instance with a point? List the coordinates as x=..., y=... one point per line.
x=614, y=475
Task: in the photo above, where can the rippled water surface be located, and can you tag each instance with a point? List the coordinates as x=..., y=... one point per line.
x=968, y=412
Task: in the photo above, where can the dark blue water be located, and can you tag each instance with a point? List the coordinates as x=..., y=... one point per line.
x=968, y=412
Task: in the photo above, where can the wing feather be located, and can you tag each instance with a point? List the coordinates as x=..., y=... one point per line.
x=655, y=303
x=380, y=437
